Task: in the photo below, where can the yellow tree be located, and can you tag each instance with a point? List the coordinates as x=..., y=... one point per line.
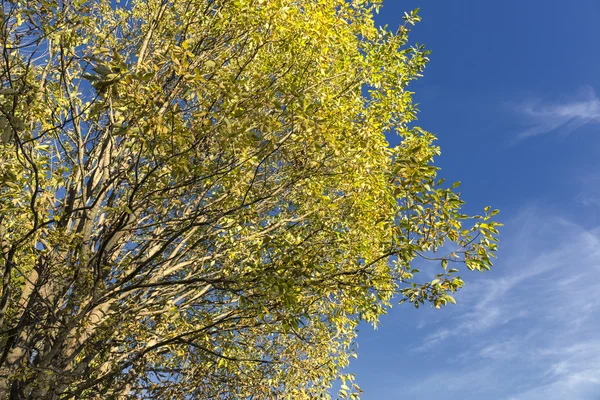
x=198, y=200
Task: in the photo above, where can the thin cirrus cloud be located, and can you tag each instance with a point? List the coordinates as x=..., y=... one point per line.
x=589, y=192
x=529, y=329
x=544, y=117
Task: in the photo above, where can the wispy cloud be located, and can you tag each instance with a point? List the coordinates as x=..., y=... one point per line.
x=568, y=114
x=529, y=329
x=589, y=191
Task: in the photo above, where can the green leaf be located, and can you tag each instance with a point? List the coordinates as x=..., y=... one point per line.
x=6, y=134
x=102, y=69
x=8, y=91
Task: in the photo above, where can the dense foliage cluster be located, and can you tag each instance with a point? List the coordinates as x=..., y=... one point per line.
x=198, y=200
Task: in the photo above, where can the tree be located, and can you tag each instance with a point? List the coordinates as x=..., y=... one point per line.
x=198, y=199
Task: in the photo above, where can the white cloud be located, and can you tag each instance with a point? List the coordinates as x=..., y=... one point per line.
x=575, y=375
x=589, y=192
x=569, y=114
x=527, y=330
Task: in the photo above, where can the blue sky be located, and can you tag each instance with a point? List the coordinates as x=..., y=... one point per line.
x=512, y=92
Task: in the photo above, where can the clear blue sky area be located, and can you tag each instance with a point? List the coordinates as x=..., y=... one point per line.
x=512, y=94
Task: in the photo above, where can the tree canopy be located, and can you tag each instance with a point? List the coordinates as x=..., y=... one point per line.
x=198, y=199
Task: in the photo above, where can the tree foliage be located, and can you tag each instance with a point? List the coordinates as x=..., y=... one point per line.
x=198, y=199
